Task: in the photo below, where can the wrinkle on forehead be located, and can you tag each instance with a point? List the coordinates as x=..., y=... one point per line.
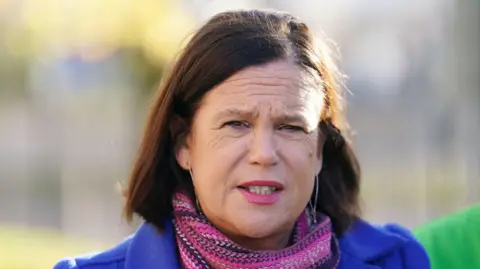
x=285, y=88
x=278, y=73
x=272, y=108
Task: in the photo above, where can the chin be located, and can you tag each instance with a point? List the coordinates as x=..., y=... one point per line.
x=258, y=226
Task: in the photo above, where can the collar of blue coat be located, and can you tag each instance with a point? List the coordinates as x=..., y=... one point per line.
x=362, y=244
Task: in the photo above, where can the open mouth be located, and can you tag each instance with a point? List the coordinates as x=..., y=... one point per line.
x=262, y=190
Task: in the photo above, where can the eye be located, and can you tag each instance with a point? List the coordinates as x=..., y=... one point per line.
x=236, y=124
x=291, y=128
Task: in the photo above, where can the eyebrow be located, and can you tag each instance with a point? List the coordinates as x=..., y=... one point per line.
x=234, y=112
x=288, y=117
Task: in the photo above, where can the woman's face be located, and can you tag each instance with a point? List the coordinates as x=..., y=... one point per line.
x=254, y=150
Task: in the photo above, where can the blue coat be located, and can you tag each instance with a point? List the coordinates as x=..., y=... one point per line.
x=363, y=247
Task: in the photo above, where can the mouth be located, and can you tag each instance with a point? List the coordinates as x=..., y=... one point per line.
x=262, y=190
x=261, y=187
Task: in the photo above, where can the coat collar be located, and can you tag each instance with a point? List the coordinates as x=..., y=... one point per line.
x=364, y=243
x=359, y=247
x=151, y=249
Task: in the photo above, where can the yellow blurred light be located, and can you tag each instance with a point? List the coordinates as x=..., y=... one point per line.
x=4, y=4
x=154, y=25
x=159, y=45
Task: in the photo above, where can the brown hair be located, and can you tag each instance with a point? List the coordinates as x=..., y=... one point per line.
x=226, y=44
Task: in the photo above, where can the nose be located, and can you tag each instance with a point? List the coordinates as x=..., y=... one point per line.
x=262, y=149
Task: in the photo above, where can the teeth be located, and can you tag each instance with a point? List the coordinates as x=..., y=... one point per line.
x=263, y=190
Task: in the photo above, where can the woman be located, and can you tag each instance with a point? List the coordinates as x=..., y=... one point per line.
x=243, y=163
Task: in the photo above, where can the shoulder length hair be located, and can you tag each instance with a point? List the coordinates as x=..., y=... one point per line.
x=226, y=44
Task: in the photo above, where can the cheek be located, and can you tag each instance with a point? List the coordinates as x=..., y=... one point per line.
x=301, y=156
x=213, y=156
x=304, y=146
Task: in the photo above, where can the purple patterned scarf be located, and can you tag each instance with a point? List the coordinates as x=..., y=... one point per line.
x=203, y=246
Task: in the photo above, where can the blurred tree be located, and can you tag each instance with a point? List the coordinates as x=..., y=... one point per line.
x=53, y=46
x=147, y=72
x=12, y=70
x=156, y=26
x=148, y=33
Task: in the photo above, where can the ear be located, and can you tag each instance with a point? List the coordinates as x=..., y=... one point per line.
x=179, y=135
x=183, y=156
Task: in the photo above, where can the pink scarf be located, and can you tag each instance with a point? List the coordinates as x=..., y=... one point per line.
x=202, y=246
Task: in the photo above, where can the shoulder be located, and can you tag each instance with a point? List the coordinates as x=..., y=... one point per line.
x=384, y=245
x=453, y=241
x=145, y=249
x=112, y=258
x=458, y=225
x=411, y=251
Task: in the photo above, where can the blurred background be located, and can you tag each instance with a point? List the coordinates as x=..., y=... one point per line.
x=76, y=78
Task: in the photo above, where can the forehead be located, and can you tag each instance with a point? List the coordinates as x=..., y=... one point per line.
x=277, y=82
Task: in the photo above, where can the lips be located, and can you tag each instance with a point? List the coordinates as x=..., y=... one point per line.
x=261, y=192
x=262, y=183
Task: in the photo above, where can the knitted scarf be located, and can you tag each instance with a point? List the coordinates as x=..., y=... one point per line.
x=203, y=246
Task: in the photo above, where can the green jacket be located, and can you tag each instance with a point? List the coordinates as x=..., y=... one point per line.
x=453, y=241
